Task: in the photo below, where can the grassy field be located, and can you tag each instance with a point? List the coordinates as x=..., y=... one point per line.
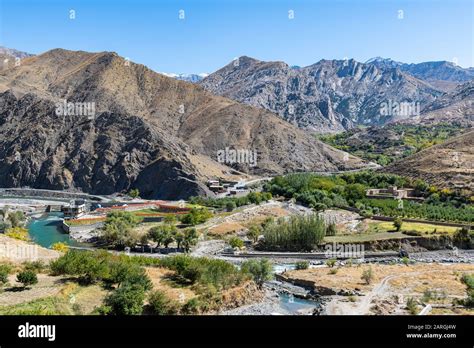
x=377, y=230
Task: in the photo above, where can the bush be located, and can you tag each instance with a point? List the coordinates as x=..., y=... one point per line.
x=397, y=224
x=302, y=265
x=331, y=230
x=203, y=271
x=35, y=266
x=27, y=277
x=333, y=271
x=367, y=275
x=126, y=300
x=196, y=216
x=19, y=233
x=5, y=270
x=61, y=247
x=331, y=262
x=230, y=206
x=236, y=242
x=412, y=306
x=261, y=270
x=254, y=232
x=161, y=304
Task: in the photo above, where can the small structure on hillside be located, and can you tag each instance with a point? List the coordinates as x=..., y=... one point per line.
x=74, y=210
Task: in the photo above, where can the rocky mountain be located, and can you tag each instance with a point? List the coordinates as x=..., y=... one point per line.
x=329, y=96
x=455, y=107
x=450, y=164
x=442, y=74
x=148, y=131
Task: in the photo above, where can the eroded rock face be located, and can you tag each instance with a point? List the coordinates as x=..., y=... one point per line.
x=329, y=96
x=108, y=154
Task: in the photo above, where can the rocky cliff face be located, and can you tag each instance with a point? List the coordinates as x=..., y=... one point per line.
x=331, y=95
x=148, y=131
x=110, y=153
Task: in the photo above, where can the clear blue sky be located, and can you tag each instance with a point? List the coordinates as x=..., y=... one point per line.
x=215, y=31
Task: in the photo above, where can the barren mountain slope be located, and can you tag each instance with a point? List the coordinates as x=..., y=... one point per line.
x=450, y=164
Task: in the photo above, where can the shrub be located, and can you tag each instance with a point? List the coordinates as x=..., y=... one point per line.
x=236, y=242
x=331, y=230
x=196, y=216
x=35, y=266
x=61, y=247
x=27, y=277
x=367, y=275
x=19, y=233
x=5, y=270
x=254, y=232
x=302, y=265
x=261, y=270
x=397, y=224
x=331, y=262
x=126, y=300
x=230, y=206
x=333, y=271
x=161, y=304
x=412, y=306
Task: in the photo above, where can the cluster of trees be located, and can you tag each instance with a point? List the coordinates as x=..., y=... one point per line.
x=349, y=189
x=409, y=209
x=230, y=203
x=196, y=216
x=26, y=277
x=119, y=229
x=167, y=234
x=129, y=281
x=298, y=233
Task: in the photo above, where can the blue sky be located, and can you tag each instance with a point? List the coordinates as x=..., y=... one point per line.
x=216, y=31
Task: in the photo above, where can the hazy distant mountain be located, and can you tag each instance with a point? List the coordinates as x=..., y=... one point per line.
x=331, y=95
x=13, y=53
x=150, y=132
x=194, y=78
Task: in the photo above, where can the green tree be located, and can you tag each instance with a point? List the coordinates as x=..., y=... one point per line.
x=118, y=230
x=126, y=300
x=261, y=270
x=254, y=232
x=5, y=270
x=230, y=206
x=367, y=275
x=161, y=304
x=190, y=238
x=27, y=278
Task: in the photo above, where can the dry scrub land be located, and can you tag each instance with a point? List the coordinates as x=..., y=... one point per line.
x=389, y=289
